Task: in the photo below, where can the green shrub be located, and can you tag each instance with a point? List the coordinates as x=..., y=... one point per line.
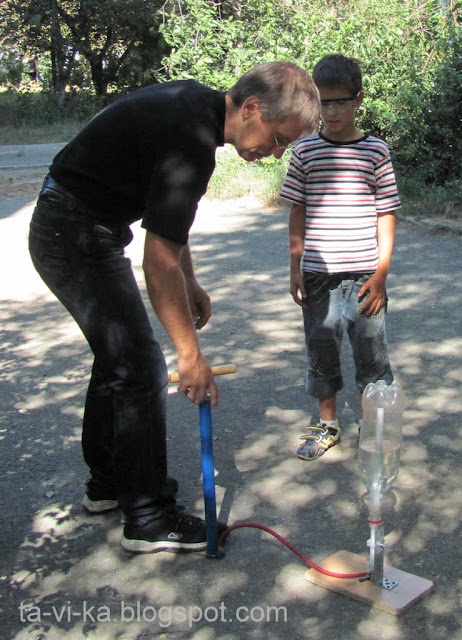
x=235, y=178
x=21, y=107
x=7, y=108
x=428, y=121
x=430, y=201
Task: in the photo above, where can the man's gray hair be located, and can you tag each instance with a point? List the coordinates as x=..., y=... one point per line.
x=284, y=91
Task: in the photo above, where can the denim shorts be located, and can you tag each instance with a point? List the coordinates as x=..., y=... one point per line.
x=332, y=305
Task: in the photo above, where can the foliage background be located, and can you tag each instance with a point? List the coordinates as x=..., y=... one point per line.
x=91, y=51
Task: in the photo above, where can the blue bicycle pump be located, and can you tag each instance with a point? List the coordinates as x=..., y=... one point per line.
x=208, y=480
x=208, y=467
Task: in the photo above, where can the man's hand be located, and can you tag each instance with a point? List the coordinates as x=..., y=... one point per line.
x=164, y=268
x=197, y=381
x=199, y=303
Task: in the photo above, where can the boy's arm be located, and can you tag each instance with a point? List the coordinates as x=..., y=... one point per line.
x=296, y=240
x=375, y=286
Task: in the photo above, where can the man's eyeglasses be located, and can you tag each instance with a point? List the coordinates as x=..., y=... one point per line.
x=340, y=104
x=279, y=144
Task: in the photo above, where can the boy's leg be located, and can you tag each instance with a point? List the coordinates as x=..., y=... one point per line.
x=323, y=322
x=323, y=325
x=328, y=408
x=368, y=340
x=325, y=434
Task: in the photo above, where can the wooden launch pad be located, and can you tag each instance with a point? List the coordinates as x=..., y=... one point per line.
x=396, y=600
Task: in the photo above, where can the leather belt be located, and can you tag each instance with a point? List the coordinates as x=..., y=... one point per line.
x=52, y=191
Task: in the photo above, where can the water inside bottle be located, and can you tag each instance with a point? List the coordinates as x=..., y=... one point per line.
x=378, y=465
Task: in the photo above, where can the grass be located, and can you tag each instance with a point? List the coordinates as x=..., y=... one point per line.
x=235, y=178
x=430, y=201
x=42, y=134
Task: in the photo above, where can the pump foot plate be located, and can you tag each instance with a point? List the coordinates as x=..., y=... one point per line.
x=409, y=589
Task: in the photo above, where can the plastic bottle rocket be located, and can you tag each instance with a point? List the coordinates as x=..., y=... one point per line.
x=378, y=459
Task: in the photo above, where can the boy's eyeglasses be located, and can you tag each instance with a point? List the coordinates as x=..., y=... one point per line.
x=340, y=104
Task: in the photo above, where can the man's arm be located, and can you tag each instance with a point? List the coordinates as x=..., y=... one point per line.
x=297, y=240
x=375, y=286
x=199, y=301
x=168, y=291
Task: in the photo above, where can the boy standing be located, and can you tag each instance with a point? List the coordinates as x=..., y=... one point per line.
x=343, y=191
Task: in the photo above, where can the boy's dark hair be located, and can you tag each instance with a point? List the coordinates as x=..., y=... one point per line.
x=337, y=70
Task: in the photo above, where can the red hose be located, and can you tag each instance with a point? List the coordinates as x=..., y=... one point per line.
x=303, y=558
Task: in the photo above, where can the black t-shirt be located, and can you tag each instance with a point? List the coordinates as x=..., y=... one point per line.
x=148, y=155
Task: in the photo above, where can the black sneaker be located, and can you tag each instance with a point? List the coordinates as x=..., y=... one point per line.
x=99, y=506
x=170, y=487
x=317, y=440
x=98, y=500
x=175, y=531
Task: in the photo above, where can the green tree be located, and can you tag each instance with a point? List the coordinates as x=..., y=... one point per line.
x=427, y=121
x=409, y=49
x=119, y=39
x=215, y=42
x=109, y=32
x=402, y=45
x=33, y=28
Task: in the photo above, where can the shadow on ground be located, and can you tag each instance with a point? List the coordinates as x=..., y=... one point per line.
x=64, y=573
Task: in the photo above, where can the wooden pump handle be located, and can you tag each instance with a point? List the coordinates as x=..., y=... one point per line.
x=218, y=370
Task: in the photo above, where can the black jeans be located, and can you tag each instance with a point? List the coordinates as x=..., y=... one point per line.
x=124, y=425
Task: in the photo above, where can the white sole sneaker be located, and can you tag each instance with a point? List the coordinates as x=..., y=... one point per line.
x=99, y=506
x=175, y=546
x=175, y=531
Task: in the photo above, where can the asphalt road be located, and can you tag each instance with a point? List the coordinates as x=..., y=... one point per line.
x=63, y=573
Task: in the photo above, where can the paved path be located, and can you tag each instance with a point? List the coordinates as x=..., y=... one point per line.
x=63, y=573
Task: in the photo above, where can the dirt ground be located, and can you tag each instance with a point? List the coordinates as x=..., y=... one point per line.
x=63, y=573
x=23, y=167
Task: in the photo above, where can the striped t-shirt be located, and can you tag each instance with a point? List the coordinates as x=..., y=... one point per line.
x=344, y=186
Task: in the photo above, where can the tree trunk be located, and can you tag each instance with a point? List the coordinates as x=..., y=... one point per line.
x=98, y=76
x=57, y=55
